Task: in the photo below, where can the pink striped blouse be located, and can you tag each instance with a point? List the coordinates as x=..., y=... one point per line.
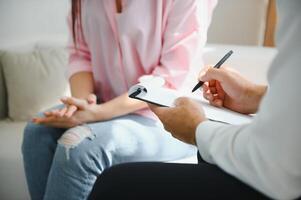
x=149, y=37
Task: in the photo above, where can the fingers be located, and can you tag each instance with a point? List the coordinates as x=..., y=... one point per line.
x=207, y=93
x=156, y=109
x=215, y=95
x=210, y=91
x=41, y=120
x=217, y=103
x=61, y=112
x=47, y=113
x=182, y=101
x=53, y=121
x=72, y=105
x=51, y=113
x=211, y=77
x=186, y=104
x=220, y=91
x=67, y=111
x=80, y=103
x=212, y=86
x=203, y=72
x=92, y=99
x=214, y=100
x=70, y=111
x=213, y=74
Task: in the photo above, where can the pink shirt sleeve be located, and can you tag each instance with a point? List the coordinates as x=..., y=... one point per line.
x=79, y=55
x=184, y=35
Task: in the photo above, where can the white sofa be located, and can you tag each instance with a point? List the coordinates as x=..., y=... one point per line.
x=253, y=62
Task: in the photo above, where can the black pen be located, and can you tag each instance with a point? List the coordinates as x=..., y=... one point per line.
x=218, y=65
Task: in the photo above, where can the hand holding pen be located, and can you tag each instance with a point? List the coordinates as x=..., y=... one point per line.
x=218, y=65
x=229, y=89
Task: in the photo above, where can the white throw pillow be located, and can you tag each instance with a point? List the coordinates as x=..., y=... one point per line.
x=35, y=80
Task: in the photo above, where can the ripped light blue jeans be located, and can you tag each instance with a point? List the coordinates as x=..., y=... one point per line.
x=64, y=164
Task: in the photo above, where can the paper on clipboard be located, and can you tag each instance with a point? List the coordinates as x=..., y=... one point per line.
x=166, y=97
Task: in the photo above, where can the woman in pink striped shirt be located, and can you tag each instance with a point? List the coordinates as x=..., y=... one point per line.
x=113, y=45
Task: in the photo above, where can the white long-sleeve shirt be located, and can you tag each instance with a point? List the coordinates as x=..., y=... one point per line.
x=266, y=154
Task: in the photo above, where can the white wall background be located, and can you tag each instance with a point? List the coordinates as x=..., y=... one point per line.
x=21, y=21
x=239, y=22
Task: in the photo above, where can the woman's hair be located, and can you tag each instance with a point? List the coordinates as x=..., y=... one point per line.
x=76, y=18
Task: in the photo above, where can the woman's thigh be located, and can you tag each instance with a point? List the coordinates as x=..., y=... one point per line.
x=124, y=139
x=166, y=180
x=136, y=138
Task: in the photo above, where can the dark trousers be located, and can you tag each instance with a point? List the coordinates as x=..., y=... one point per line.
x=170, y=181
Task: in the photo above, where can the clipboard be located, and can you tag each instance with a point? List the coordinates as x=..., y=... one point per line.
x=166, y=97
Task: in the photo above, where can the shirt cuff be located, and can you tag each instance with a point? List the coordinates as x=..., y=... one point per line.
x=204, y=136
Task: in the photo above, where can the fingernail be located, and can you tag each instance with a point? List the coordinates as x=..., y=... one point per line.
x=208, y=96
x=36, y=121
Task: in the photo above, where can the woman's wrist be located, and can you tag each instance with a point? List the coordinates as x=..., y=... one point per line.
x=102, y=113
x=116, y=107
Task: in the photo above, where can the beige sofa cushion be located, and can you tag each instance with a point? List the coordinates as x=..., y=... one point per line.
x=35, y=80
